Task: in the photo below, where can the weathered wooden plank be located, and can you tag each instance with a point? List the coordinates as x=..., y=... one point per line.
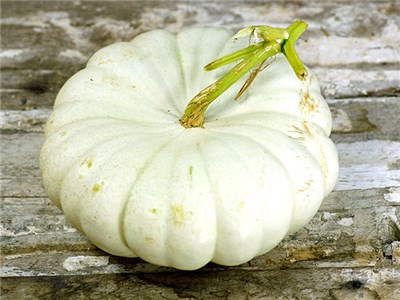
x=20, y=174
x=358, y=119
x=177, y=14
x=26, y=99
x=371, y=164
x=362, y=283
x=27, y=206
x=46, y=243
x=26, y=120
x=353, y=83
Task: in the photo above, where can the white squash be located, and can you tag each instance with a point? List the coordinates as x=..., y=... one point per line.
x=128, y=175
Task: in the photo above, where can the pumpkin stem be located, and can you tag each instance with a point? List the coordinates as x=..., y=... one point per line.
x=270, y=41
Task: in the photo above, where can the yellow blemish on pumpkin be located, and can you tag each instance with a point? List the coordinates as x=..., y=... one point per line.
x=63, y=133
x=97, y=187
x=324, y=164
x=307, y=103
x=111, y=80
x=179, y=215
x=306, y=128
x=154, y=211
x=102, y=62
x=297, y=134
x=241, y=204
x=149, y=240
x=306, y=186
x=191, y=172
x=88, y=163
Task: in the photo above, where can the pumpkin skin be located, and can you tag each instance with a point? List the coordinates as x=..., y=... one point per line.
x=129, y=176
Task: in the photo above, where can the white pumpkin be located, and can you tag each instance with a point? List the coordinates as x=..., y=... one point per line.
x=128, y=175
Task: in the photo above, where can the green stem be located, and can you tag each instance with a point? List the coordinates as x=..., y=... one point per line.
x=295, y=31
x=230, y=58
x=281, y=40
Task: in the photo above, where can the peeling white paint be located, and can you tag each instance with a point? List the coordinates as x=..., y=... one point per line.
x=328, y=252
x=11, y=57
x=354, y=50
x=393, y=196
x=335, y=81
x=69, y=229
x=75, y=263
x=346, y=222
x=76, y=35
x=72, y=54
x=12, y=271
x=44, y=20
x=366, y=165
x=391, y=213
x=11, y=53
x=328, y=215
x=29, y=21
x=340, y=121
x=5, y=232
x=391, y=30
x=27, y=120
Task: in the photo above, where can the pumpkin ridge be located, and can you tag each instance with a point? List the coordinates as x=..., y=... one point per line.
x=128, y=200
x=179, y=215
x=242, y=160
x=215, y=194
x=179, y=58
x=160, y=78
x=255, y=235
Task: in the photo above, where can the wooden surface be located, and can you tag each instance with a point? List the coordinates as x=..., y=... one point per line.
x=350, y=250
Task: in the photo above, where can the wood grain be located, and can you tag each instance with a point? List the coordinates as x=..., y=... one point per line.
x=351, y=248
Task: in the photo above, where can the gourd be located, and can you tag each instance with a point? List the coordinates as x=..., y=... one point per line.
x=143, y=174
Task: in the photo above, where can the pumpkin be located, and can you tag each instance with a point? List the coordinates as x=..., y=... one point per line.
x=126, y=173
